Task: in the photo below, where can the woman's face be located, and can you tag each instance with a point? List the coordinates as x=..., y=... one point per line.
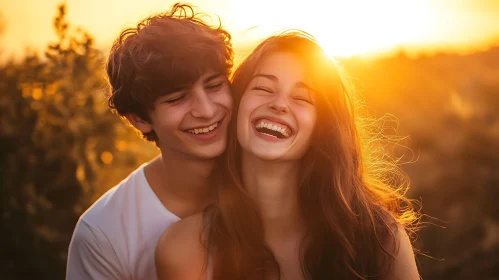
x=277, y=113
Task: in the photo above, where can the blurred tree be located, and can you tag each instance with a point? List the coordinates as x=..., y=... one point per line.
x=55, y=133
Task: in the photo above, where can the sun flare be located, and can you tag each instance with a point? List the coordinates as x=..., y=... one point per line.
x=343, y=28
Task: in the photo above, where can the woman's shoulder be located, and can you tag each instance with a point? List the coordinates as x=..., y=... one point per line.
x=187, y=229
x=404, y=263
x=180, y=252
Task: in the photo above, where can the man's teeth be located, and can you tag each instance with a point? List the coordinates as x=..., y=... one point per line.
x=203, y=129
x=274, y=127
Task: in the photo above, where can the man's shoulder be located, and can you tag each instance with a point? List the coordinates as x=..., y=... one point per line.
x=111, y=204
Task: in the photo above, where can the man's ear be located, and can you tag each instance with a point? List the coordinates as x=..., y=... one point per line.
x=139, y=123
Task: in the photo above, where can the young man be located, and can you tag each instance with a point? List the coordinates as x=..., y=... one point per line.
x=169, y=80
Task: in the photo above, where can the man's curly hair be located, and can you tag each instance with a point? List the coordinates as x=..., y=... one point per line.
x=163, y=54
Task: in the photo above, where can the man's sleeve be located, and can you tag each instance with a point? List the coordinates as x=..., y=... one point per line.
x=91, y=256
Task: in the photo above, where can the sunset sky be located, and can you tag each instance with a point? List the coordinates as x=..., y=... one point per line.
x=342, y=27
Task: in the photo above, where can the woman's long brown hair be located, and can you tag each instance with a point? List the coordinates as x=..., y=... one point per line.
x=352, y=195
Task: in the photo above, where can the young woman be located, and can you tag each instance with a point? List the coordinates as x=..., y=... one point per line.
x=302, y=194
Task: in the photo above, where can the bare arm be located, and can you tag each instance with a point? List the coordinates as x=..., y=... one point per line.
x=404, y=265
x=179, y=253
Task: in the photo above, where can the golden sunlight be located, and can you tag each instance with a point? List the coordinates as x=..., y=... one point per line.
x=344, y=28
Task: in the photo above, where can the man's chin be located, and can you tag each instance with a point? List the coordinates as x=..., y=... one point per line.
x=207, y=152
x=211, y=152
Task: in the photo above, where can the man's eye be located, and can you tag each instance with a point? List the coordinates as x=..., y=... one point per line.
x=215, y=86
x=175, y=100
x=263, y=89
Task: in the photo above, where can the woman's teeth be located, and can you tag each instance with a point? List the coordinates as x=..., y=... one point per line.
x=203, y=130
x=283, y=130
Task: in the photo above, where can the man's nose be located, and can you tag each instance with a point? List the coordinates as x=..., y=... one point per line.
x=203, y=106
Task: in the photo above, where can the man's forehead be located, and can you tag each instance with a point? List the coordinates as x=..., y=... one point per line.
x=210, y=75
x=202, y=79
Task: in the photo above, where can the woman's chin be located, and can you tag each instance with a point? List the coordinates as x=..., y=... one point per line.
x=273, y=156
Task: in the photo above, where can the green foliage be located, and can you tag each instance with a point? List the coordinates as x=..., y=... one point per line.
x=54, y=126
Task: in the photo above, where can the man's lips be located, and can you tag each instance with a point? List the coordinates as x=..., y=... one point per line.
x=204, y=128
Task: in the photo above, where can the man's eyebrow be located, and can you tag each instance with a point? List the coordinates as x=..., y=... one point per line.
x=212, y=77
x=172, y=90
x=268, y=76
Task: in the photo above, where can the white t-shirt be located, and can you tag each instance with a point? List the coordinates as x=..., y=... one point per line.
x=116, y=237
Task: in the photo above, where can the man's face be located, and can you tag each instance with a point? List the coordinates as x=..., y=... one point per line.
x=193, y=122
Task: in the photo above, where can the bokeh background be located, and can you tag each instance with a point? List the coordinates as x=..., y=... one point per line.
x=433, y=66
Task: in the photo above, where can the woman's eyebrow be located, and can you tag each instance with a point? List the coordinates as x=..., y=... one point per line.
x=303, y=85
x=274, y=79
x=268, y=76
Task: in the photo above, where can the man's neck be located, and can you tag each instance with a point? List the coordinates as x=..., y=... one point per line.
x=182, y=184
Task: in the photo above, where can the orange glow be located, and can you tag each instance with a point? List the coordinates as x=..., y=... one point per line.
x=106, y=157
x=348, y=27
x=344, y=28
x=352, y=27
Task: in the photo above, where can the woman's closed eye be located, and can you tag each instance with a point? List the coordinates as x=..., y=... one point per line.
x=265, y=89
x=303, y=95
x=304, y=99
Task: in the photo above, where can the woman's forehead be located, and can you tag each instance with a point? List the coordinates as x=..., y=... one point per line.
x=281, y=65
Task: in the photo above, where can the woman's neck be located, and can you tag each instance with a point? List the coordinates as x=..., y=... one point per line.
x=274, y=186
